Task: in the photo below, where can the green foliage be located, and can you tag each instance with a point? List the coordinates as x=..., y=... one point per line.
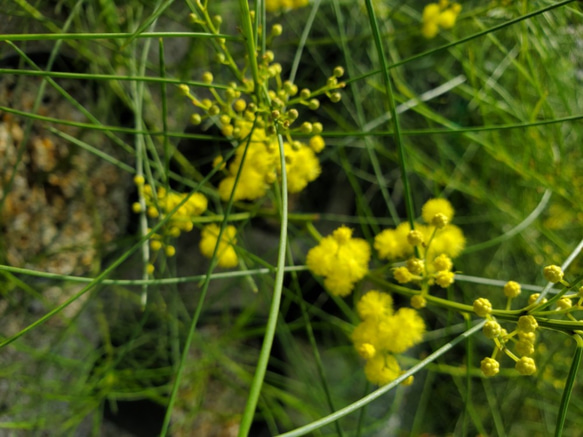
x=176, y=96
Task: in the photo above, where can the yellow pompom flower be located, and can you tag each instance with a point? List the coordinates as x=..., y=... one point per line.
x=317, y=143
x=302, y=167
x=375, y=305
x=437, y=206
x=442, y=263
x=449, y=241
x=341, y=259
x=402, y=275
x=382, y=369
x=405, y=331
x=392, y=243
x=227, y=257
x=444, y=278
x=439, y=15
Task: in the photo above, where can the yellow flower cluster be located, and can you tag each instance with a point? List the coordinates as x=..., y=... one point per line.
x=384, y=332
x=437, y=242
x=341, y=259
x=261, y=164
x=437, y=237
x=436, y=16
x=226, y=255
x=252, y=126
x=278, y=5
x=159, y=204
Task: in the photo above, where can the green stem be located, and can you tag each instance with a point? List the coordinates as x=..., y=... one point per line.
x=394, y=116
x=261, y=368
x=568, y=391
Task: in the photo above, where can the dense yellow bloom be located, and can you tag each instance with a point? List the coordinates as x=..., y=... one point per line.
x=382, y=333
x=449, y=241
x=227, y=257
x=439, y=15
x=261, y=164
x=165, y=201
x=382, y=369
x=392, y=243
x=302, y=166
x=341, y=259
x=437, y=206
x=260, y=161
x=375, y=305
x=402, y=275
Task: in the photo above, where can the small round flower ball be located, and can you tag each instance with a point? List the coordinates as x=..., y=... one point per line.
x=418, y=302
x=415, y=265
x=402, y=275
x=525, y=366
x=553, y=273
x=415, y=238
x=437, y=206
x=317, y=143
x=442, y=263
x=439, y=220
x=524, y=348
x=382, y=369
x=482, y=307
x=227, y=257
x=366, y=350
x=492, y=329
x=527, y=324
x=375, y=305
x=533, y=297
x=564, y=303
x=447, y=19
x=444, y=279
x=392, y=243
x=489, y=366
x=511, y=289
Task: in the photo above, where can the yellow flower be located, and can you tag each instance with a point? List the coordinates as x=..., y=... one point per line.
x=489, y=366
x=375, y=305
x=317, y=143
x=525, y=366
x=406, y=330
x=402, y=275
x=341, y=259
x=392, y=243
x=442, y=262
x=444, y=278
x=449, y=241
x=382, y=369
x=302, y=167
x=437, y=206
x=512, y=289
x=227, y=257
x=436, y=16
x=482, y=307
